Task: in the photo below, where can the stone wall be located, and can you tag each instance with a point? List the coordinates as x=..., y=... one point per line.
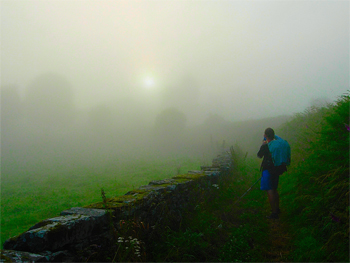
x=160, y=202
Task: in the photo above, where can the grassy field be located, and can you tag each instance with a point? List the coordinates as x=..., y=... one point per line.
x=28, y=198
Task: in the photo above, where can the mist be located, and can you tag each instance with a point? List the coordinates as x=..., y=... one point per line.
x=93, y=82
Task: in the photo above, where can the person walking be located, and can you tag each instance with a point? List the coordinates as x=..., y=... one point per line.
x=276, y=156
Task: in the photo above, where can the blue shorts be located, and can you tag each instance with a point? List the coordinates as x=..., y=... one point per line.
x=268, y=181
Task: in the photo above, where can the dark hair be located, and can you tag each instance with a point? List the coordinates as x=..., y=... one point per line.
x=270, y=133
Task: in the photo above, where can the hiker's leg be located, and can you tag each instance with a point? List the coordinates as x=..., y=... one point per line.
x=274, y=178
x=272, y=199
x=275, y=200
x=277, y=204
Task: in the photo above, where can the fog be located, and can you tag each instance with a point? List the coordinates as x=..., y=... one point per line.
x=96, y=79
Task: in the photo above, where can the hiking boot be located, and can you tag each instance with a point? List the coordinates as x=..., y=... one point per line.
x=272, y=216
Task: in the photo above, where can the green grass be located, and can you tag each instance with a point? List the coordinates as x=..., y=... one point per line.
x=27, y=198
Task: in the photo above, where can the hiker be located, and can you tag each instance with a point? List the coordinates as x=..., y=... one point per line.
x=277, y=156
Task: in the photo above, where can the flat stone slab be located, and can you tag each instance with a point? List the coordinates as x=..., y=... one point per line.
x=195, y=172
x=97, y=213
x=165, y=181
x=212, y=173
x=55, y=233
x=204, y=172
x=159, y=188
x=209, y=168
x=20, y=256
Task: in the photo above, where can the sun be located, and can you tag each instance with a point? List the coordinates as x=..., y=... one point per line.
x=149, y=82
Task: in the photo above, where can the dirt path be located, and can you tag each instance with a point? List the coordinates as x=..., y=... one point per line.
x=279, y=241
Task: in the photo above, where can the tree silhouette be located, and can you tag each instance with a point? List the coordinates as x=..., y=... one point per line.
x=182, y=94
x=49, y=101
x=100, y=120
x=170, y=123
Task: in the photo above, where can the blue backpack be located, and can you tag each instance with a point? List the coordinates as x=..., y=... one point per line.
x=280, y=151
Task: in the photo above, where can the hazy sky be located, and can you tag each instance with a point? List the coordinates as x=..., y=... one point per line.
x=245, y=59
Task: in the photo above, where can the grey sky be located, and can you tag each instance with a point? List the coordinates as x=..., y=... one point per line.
x=248, y=59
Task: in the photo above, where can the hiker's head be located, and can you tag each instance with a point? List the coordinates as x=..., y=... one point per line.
x=269, y=134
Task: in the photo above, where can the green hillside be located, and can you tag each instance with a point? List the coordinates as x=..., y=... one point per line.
x=316, y=190
x=314, y=193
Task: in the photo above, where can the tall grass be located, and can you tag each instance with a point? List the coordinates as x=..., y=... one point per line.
x=316, y=193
